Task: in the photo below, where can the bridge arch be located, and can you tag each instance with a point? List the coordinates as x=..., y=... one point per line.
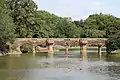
x=51, y=42
x=15, y=47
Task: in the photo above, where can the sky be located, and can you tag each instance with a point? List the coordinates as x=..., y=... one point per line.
x=79, y=9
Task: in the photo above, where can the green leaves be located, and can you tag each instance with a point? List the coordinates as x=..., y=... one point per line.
x=66, y=28
x=22, y=12
x=114, y=37
x=95, y=25
x=50, y=25
x=27, y=22
x=6, y=29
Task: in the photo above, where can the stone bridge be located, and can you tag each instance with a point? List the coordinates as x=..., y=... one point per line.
x=51, y=42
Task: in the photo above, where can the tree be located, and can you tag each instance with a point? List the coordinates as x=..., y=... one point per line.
x=113, y=37
x=97, y=23
x=1, y=4
x=66, y=29
x=6, y=28
x=52, y=26
x=22, y=12
x=79, y=23
x=45, y=24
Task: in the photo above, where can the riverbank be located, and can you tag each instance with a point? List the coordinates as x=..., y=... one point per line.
x=116, y=51
x=5, y=54
x=78, y=48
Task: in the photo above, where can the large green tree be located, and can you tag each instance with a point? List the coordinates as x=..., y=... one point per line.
x=80, y=25
x=113, y=32
x=95, y=25
x=50, y=25
x=22, y=12
x=45, y=24
x=6, y=28
x=66, y=29
x=1, y=4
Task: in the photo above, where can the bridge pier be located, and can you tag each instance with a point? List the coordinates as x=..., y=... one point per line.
x=83, y=47
x=66, y=47
x=100, y=49
x=66, y=50
x=50, y=48
x=18, y=50
x=50, y=45
x=34, y=51
x=33, y=48
x=14, y=49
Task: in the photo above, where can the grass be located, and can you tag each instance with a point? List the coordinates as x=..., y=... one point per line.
x=116, y=51
x=70, y=48
x=78, y=48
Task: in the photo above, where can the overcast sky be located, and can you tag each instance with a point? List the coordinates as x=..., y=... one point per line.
x=79, y=9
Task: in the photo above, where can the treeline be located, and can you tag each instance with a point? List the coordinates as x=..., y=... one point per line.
x=21, y=19
x=33, y=23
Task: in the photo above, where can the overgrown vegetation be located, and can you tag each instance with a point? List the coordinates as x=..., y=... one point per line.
x=6, y=28
x=26, y=48
x=20, y=18
x=113, y=33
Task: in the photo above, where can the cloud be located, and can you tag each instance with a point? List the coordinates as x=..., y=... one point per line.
x=96, y=5
x=78, y=9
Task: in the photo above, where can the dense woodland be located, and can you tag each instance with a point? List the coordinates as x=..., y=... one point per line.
x=22, y=19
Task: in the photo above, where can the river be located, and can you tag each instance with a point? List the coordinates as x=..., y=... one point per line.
x=59, y=67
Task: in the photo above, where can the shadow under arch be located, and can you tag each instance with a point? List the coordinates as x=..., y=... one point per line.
x=26, y=48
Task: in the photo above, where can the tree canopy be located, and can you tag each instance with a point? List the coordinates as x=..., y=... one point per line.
x=95, y=25
x=22, y=12
x=6, y=27
x=113, y=32
x=21, y=19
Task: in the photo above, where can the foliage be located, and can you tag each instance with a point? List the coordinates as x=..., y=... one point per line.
x=114, y=37
x=95, y=25
x=67, y=29
x=45, y=24
x=22, y=12
x=50, y=25
x=6, y=29
x=27, y=48
x=30, y=22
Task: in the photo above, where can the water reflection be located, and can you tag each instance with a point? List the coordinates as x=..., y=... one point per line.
x=60, y=67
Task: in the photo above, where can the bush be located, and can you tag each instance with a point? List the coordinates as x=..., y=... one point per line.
x=26, y=48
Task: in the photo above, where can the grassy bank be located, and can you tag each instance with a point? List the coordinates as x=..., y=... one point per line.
x=116, y=51
x=78, y=48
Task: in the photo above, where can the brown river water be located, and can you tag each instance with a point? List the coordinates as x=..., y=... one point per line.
x=59, y=67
